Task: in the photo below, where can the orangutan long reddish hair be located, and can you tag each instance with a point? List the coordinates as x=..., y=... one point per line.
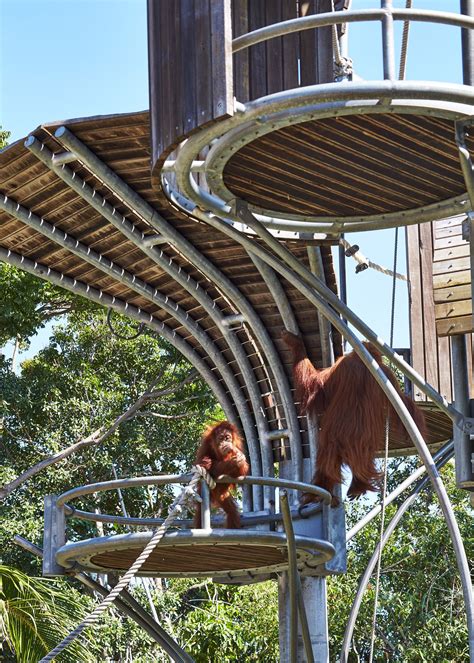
x=352, y=409
x=221, y=452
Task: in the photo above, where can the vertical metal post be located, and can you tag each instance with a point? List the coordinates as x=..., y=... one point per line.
x=342, y=276
x=467, y=45
x=54, y=536
x=292, y=574
x=388, y=48
x=205, y=506
x=463, y=448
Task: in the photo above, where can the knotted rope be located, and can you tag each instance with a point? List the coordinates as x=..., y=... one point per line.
x=175, y=510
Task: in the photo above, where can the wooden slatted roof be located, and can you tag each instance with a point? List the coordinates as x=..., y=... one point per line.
x=122, y=142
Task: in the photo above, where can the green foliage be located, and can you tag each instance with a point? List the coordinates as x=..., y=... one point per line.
x=28, y=303
x=36, y=614
x=421, y=613
x=4, y=136
x=221, y=623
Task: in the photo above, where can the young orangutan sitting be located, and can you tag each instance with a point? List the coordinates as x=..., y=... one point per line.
x=352, y=411
x=221, y=452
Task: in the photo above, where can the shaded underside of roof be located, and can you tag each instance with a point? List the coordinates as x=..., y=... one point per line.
x=122, y=142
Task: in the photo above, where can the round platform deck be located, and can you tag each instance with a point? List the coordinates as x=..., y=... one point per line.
x=196, y=553
x=343, y=166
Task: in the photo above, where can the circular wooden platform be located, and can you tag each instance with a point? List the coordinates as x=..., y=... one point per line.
x=196, y=553
x=368, y=164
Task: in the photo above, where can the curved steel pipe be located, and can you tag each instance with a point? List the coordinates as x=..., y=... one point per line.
x=164, y=479
x=364, y=581
x=352, y=16
x=124, y=308
x=151, y=216
x=126, y=227
x=390, y=391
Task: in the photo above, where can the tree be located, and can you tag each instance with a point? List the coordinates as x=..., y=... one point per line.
x=34, y=615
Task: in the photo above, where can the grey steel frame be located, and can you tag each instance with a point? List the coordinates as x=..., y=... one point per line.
x=141, y=208
x=165, y=302
x=126, y=604
x=124, y=308
x=268, y=113
x=364, y=581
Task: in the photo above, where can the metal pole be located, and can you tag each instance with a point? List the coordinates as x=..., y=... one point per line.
x=447, y=449
x=139, y=206
x=467, y=44
x=130, y=607
x=463, y=446
x=364, y=581
x=388, y=48
x=292, y=574
x=124, y=308
x=205, y=506
x=284, y=264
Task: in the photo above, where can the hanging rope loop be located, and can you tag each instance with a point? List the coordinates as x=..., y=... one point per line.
x=156, y=537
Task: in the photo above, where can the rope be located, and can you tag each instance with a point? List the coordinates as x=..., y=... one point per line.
x=404, y=46
x=394, y=286
x=380, y=547
x=362, y=260
x=343, y=68
x=157, y=535
x=384, y=490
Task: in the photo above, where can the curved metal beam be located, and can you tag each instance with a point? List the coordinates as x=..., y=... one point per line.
x=365, y=579
x=140, y=207
x=124, y=308
x=127, y=228
x=353, y=16
x=279, y=264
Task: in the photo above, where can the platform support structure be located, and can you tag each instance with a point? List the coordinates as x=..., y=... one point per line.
x=463, y=441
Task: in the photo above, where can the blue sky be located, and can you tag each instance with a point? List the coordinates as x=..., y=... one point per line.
x=61, y=59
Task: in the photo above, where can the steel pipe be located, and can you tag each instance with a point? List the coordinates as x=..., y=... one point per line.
x=390, y=391
x=127, y=228
x=365, y=520
x=364, y=581
x=129, y=607
x=353, y=16
x=124, y=308
x=151, y=294
x=155, y=220
x=321, y=296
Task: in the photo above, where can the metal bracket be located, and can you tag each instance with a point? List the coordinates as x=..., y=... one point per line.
x=54, y=536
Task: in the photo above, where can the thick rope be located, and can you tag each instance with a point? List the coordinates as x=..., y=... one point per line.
x=343, y=65
x=404, y=46
x=157, y=535
x=380, y=547
x=361, y=259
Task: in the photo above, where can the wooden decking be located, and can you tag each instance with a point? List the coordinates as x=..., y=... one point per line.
x=347, y=166
x=122, y=142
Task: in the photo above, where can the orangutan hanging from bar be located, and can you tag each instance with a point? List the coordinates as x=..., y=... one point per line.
x=351, y=410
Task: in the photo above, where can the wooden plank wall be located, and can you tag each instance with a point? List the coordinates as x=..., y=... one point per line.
x=431, y=352
x=286, y=62
x=452, y=278
x=190, y=68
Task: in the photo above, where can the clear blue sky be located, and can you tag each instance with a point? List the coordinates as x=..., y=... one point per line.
x=74, y=58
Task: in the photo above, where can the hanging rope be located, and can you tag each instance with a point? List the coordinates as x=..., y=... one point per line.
x=175, y=510
x=343, y=65
x=362, y=260
x=380, y=547
x=404, y=46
